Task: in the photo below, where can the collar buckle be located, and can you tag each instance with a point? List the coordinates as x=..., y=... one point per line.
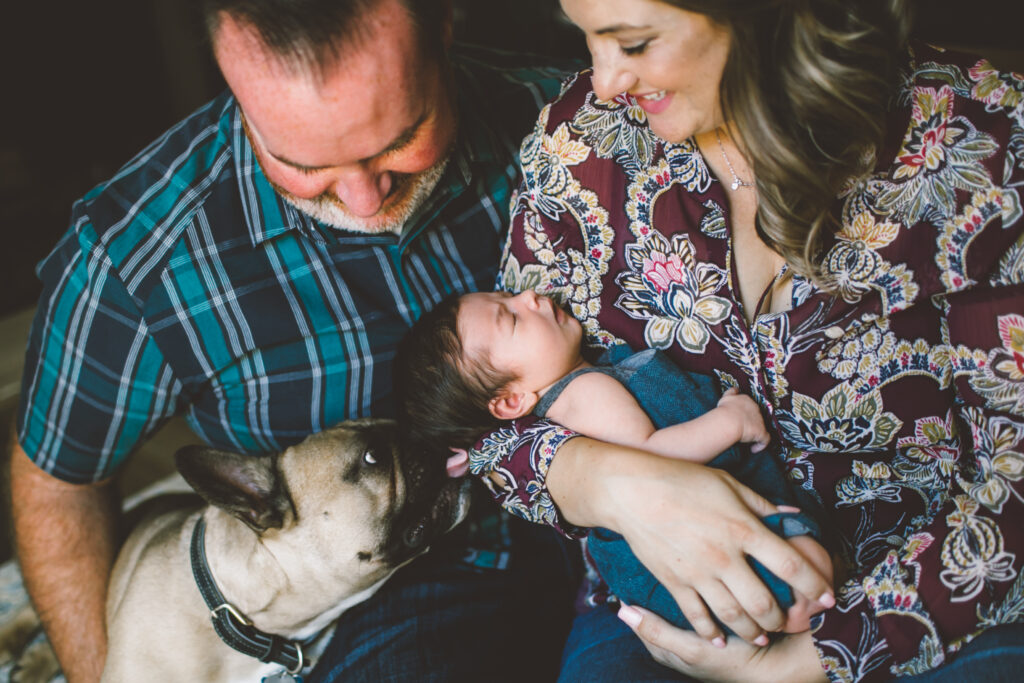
x=230, y=609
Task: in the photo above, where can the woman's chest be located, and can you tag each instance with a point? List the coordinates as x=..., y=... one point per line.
x=833, y=375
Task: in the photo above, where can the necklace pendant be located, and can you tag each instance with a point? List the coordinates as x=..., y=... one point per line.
x=735, y=185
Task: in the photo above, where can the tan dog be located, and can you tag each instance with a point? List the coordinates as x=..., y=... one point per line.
x=292, y=541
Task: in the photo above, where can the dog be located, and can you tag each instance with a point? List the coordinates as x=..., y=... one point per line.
x=291, y=541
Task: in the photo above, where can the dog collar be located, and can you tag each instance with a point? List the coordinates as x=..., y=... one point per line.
x=233, y=627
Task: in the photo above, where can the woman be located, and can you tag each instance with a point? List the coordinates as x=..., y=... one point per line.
x=785, y=194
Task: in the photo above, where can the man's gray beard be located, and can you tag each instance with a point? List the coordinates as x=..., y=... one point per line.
x=332, y=212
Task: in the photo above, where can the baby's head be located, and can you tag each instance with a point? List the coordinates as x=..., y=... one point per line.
x=479, y=359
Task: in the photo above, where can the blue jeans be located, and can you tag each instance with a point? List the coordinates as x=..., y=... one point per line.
x=601, y=649
x=449, y=618
x=996, y=656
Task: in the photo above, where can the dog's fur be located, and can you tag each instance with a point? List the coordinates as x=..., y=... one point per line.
x=293, y=540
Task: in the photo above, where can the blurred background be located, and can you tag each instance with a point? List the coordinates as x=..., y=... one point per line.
x=87, y=85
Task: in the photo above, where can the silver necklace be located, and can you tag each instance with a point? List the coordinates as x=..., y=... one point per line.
x=736, y=182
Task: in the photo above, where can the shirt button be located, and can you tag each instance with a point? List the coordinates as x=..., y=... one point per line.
x=834, y=332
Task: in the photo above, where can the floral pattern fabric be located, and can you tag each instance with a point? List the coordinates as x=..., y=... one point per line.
x=899, y=400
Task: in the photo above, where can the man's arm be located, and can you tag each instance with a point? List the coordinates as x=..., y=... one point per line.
x=65, y=539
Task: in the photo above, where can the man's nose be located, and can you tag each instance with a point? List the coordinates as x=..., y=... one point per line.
x=611, y=77
x=363, y=190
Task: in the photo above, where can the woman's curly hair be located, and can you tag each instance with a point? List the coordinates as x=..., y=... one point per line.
x=807, y=85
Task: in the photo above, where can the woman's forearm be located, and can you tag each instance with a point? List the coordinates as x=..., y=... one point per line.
x=578, y=480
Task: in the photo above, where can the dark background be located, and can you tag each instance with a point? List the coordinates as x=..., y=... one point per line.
x=89, y=84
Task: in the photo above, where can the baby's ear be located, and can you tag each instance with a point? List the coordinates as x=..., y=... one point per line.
x=508, y=405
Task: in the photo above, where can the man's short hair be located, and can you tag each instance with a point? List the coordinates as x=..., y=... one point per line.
x=313, y=33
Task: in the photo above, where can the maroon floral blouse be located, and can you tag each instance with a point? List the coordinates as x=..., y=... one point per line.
x=900, y=401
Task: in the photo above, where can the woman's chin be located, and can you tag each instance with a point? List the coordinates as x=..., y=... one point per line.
x=668, y=130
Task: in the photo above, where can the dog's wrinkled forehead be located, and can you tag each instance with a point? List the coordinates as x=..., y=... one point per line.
x=356, y=438
x=355, y=453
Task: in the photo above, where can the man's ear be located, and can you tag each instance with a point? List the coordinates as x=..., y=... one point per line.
x=249, y=487
x=509, y=404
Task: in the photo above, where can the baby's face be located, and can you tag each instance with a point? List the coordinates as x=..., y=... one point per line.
x=526, y=335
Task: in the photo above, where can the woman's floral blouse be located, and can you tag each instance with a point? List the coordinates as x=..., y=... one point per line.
x=900, y=402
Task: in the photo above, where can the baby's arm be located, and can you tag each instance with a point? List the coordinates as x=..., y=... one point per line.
x=600, y=407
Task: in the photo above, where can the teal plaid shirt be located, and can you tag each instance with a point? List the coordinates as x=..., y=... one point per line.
x=185, y=284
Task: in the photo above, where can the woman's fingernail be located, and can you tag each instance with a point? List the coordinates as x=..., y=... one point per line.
x=630, y=615
x=827, y=600
x=719, y=642
x=787, y=508
x=761, y=640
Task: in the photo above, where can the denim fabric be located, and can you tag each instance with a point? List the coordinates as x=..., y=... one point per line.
x=670, y=395
x=635, y=585
x=655, y=381
x=601, y=649
x=996, y=656
x=452, y=616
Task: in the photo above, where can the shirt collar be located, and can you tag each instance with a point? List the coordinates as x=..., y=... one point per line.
x=268, y=215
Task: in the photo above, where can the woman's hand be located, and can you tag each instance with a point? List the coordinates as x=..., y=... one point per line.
x=692, y=527
x=790, y=658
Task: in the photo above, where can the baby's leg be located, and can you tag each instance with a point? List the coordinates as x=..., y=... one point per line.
x=798, y=617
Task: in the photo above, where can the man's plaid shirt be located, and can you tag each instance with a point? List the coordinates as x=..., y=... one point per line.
x=185, y=284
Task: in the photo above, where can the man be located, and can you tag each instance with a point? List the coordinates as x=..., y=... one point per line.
x=254, y=269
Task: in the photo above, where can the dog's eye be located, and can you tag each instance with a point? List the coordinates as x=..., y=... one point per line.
x=369, y=458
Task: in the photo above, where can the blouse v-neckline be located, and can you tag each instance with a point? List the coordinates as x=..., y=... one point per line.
x=766, y=297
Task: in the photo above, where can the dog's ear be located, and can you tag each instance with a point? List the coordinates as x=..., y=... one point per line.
x=248, y=487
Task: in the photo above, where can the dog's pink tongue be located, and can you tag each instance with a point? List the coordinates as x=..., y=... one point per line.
x=458, y=464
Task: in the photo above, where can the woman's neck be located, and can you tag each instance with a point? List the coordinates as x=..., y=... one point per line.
x=756, y=269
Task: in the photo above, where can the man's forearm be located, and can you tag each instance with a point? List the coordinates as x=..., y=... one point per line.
x=65, y=540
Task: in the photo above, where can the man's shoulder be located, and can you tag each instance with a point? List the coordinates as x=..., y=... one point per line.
x=508, y=89
x=507, y=73
x=134, y=221
x=171, y=174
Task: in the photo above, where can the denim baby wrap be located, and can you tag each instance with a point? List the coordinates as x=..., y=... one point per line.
x=669, y=396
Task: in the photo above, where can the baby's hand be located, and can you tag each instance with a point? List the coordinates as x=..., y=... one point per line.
x=746, y=413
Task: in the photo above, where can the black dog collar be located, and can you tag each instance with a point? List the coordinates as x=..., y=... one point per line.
x=233, y=627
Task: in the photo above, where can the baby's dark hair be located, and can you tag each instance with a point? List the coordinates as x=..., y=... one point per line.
x=442, y=397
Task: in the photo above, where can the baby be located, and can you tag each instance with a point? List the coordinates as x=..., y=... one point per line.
x=479, y=360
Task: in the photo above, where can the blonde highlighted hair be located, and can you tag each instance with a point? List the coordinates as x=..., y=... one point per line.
x=807, y=85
